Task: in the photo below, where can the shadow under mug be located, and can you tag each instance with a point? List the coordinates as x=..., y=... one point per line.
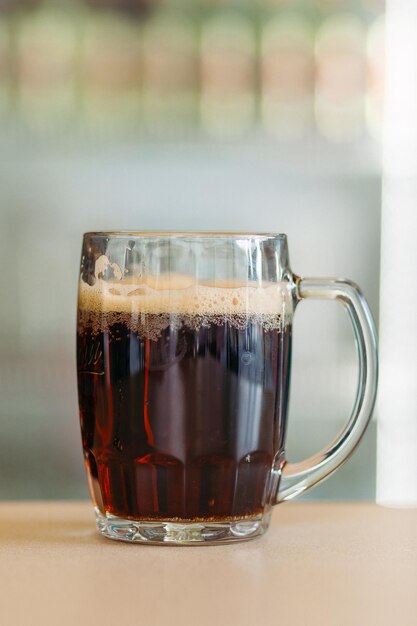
x=184, y=356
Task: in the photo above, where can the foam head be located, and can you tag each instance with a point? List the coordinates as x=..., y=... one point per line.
x=190, y=302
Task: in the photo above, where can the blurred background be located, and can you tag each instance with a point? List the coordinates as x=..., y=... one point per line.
x=182, y=115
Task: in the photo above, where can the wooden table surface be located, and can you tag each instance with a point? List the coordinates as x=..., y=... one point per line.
x=330, y=564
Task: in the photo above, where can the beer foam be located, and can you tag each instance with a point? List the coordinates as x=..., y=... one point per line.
x=153, y=303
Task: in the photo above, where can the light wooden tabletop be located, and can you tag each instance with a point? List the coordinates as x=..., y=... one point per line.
x=328, y=564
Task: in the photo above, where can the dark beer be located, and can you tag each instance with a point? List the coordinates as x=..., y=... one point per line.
x=182, y=415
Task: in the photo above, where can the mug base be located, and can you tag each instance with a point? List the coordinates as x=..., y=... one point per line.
x=181, y=533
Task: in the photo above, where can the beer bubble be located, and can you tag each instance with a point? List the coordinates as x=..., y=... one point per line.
x=118, y=444
x=247, y=358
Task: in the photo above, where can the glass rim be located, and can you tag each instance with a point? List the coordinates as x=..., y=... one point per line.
x=173, y=234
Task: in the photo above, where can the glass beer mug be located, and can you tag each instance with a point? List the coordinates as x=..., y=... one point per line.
x=184, y=357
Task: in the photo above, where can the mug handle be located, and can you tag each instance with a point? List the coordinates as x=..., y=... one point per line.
x=297, y=477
